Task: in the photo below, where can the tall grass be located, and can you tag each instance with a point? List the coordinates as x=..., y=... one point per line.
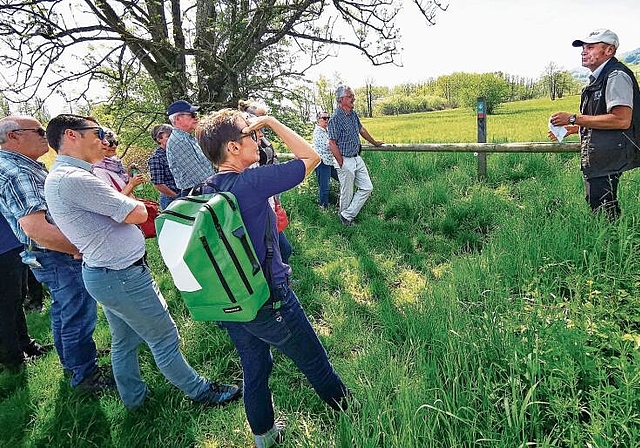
x=499, y=313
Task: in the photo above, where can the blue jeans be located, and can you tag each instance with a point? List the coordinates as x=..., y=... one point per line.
x=73, y=311
x=288, y=330
x=165, y=201
x=325, y=173
x=137, y=312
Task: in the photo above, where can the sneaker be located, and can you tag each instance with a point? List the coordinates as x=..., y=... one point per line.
x=346, y=222
x=275, y=436
x=221, y=394
x=99, y=381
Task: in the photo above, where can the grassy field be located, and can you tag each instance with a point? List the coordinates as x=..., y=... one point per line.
x=497, y=314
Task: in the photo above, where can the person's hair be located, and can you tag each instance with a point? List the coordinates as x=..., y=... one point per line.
x=253, y=107
x=172, y=118
x=321, y=113
x=160, y=129
x=341, y=91
x=215, y=131
x=59, y=124
x=6, y=126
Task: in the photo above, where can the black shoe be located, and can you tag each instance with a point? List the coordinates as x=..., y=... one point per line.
x=221, y=394
x=99, y=381
x=32, y=305
x=35, y=351
x=346, y=222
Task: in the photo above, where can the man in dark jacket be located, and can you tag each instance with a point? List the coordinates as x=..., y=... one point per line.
x=608, y=122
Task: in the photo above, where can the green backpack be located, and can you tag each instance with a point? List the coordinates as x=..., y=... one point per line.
x=205, y=245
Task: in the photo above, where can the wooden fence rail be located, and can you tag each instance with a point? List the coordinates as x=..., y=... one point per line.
x=528, y=147
x=480, y=149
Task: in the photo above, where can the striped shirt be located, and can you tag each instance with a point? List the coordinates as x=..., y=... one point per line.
x=21, y=190
x=187, y=162
x=344, y=128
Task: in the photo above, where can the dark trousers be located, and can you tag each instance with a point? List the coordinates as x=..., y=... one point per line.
x=32, y=290
x=14, y=338
x=601, y=194
x=288, y=330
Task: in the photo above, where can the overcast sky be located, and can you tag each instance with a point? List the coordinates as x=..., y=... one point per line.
x=518, y=37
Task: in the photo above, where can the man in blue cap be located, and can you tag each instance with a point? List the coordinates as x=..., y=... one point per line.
x=187, y=163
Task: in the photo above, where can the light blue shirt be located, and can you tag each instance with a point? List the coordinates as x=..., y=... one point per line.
x=91, y=214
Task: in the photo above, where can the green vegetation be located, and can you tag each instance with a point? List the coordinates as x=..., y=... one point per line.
x=497, y=314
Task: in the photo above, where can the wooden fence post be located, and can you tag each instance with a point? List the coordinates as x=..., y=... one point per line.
x=482, y=138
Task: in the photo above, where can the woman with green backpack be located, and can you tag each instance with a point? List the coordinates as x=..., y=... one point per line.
x=231, y=143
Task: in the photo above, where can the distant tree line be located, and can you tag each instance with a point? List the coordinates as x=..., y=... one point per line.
x=458, y=90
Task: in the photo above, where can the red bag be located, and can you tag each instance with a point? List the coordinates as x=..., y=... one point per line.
x=149, y=226
x=153, y=210
x=282, y=220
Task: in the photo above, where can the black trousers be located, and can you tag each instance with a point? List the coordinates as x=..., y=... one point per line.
x=14, y=338
x=602, y=194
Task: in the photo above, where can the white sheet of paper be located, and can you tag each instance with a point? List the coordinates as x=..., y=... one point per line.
x=558, y=131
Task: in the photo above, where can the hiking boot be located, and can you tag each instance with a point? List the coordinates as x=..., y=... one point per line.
x=275, y=436
x=220, y=394
x=345, y=222
x=99, y=381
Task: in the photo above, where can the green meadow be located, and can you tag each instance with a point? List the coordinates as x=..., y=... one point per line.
x=461, y=313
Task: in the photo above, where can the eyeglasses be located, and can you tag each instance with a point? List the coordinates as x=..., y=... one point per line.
x=252, y=134
x=101, y=133
x=324, y=118
x=193, y=114
x=40, y=131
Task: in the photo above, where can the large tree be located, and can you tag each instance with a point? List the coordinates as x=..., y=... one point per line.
x=213, y=51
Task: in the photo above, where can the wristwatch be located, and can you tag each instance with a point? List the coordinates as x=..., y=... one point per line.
x=572, y=119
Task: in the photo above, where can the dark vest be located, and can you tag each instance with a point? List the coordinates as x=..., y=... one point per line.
x=608, y=151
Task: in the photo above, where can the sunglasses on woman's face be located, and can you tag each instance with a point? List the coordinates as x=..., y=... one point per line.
x=252, y=134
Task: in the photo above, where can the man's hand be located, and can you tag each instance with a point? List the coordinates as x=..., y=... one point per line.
x=560, y=118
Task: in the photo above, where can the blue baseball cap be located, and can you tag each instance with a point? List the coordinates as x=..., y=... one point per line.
x=181, y=106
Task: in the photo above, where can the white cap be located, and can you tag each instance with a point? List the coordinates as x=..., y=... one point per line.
x=596, y=36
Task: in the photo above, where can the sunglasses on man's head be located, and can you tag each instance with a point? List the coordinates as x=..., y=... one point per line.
x=40, y=131
x=101, y=133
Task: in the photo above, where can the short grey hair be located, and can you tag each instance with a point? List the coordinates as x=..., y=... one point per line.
x=172, y=118
x=341, y=91
x=160, y=129
x=7, y=126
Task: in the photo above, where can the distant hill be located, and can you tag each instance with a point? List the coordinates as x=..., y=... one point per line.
x=630, y=58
